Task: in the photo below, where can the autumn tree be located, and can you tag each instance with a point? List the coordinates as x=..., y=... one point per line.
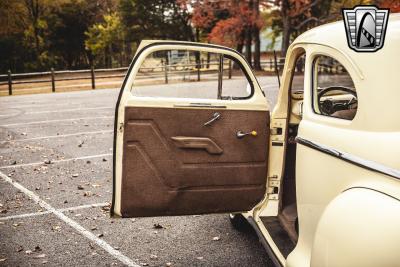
x=232, y=23
x=394, y=5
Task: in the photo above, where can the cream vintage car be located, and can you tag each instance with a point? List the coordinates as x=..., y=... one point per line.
x=317, y=176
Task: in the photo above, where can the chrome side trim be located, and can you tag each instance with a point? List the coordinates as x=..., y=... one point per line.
x=363, y=163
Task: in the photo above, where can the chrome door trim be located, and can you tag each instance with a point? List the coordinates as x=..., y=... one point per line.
x=363, y=163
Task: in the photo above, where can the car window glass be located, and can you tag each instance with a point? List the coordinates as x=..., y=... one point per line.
x=334, y=93
x=190, y=74
x=234, y=81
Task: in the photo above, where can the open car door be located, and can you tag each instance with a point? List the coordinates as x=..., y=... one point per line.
x=191, y=133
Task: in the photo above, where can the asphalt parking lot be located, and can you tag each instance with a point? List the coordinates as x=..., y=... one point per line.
x=55, y=186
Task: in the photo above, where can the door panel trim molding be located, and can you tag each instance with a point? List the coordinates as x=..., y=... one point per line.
x=205, y=143
x=360, y=162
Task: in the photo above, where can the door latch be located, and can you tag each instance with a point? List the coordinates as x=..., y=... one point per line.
x=121, y=127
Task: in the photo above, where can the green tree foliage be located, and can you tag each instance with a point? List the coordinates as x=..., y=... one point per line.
x=66, y=38
x=104, y=36
x=162, y=19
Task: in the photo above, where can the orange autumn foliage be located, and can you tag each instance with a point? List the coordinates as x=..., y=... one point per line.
x=228, y=30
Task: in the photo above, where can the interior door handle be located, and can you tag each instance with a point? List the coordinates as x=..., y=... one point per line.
x=197, y=143
x=215, y=117
x=241, y=134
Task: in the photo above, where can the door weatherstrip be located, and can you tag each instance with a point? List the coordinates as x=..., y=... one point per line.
x=360, y=162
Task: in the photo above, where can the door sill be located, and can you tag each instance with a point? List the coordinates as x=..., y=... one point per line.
x=279, y=235
x=275, y=256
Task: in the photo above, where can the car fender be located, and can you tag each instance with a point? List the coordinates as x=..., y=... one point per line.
x=360, y=227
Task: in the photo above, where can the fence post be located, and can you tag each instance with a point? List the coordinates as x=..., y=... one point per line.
x=198, y=66
x=9, y=82
x=276, y=64
x=53, y=82
x=166, y=72
x=230, y=70
x=93, y=77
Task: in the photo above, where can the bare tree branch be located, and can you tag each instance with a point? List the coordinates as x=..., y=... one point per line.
x=305, y=8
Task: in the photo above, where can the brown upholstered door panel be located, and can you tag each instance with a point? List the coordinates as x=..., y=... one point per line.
x=174, y=165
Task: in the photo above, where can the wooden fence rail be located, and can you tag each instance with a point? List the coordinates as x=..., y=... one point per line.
x=11, y=79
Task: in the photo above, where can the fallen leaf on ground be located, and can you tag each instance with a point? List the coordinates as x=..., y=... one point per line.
x=157, y=226
x=56, y=228
x=216, y=238
x=87, y=194
x=153, y=257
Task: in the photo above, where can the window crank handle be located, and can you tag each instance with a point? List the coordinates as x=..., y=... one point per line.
x=241, y=134
x=215, y=117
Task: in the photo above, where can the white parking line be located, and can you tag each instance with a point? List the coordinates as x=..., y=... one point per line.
x=25, y=215
x=41, y=104
x=56, y=161
x=80, y=229
x=56, y=136
x=69, y=110
x=50, y=121
x=54, y=111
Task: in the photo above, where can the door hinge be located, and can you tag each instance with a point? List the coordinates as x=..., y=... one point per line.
x=121, y=127
x=276, y=131
x=273, y=188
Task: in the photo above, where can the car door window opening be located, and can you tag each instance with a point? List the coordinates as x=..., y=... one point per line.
x=192, y=74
